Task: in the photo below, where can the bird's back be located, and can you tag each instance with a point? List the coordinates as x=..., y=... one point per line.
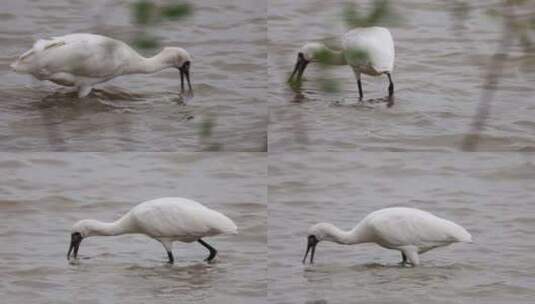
x=372, y=46
x=180, y=218
x=399, y=226
x=86, y=55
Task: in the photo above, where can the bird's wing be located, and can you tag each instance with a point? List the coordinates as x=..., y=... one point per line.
x=78, y=54
x=333, y=42
x=418, y=229
x=182, y=219
x=377, y=45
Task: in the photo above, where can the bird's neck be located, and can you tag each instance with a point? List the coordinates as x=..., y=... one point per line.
x=334, y=57
x=121, y=226
x=147, y=65
x=354, y=236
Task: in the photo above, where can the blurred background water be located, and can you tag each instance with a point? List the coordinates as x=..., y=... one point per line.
x=227, y=40
x=43, y=194
x=442, y=53
x=491, y=195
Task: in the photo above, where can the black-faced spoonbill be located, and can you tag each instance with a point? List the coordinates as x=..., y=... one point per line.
x=164, y=219
x=368, y=50
x=84, y=60
x=411, y=231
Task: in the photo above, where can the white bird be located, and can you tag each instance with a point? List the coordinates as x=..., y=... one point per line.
x=84, y=60
x=368, y=50
x=411, y=231
x=164, y=219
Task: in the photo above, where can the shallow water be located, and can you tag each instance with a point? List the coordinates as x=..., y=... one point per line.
x=491, y=195
x=43, y=194
x=139, y=112
x=438, y=79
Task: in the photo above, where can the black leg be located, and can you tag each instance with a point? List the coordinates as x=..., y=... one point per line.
x=360, y=88
x=391, y=86
x=213, y=252
x=171, y=258
x=404, y=261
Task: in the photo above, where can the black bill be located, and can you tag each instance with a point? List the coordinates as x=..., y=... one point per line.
x=299, y=68
x=76, y=239
x=312, y=242
x=184, y=72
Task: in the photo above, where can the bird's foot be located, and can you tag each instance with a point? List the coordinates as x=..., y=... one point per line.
x=390, y=101
x=405, y=264
x=210, y=258
x=171, y=258
x=83, y=91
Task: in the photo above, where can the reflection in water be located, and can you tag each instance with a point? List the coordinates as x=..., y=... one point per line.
x=112, y=111
x=60, y=108
x=368, y=103
x=175, y=278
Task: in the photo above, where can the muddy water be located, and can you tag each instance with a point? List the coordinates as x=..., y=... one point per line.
x=438, y=80
x=42, y=195
x=140, y=112
x=489, y=194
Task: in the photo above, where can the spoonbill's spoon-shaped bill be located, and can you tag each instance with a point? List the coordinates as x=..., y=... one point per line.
x=84, y=60
x=411, y=231
x=368, y=50
x=164, y=219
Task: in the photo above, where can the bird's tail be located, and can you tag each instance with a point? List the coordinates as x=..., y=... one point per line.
x=233, y=230
x=458, y=233
x=466, y=237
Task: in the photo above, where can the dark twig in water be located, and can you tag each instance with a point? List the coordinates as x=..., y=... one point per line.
x=471, y=140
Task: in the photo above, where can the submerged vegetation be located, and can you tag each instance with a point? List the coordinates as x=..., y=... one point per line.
x=146, y=13
x=381, y=13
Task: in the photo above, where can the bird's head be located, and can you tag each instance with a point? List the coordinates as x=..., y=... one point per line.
x=79, y=231
x=310, y=52
x=317, y=233
x=180, y=59
x=313, y=51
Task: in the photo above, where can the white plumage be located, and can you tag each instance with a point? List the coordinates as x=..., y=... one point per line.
x=367, y=51
x=84, y=60
x=377, y=47
x=164, y=219
x=411, y=231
